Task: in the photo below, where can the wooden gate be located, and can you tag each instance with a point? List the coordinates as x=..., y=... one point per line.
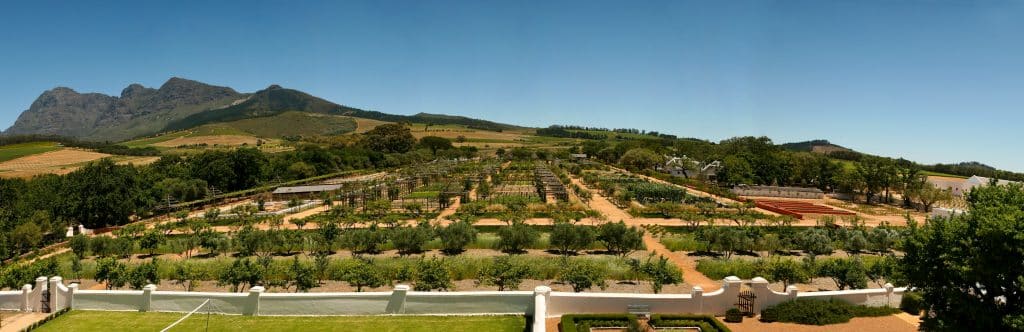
x=44, y=303
x=745, y=302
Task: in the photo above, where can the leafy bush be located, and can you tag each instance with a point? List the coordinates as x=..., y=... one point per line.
x=620, y=239
x=456, y=236
x=733, y=315
x=912, y=303
x=717, y=269
x=822, y=312
x=517, y=237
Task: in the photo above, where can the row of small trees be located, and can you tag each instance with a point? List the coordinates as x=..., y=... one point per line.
x=566, y=238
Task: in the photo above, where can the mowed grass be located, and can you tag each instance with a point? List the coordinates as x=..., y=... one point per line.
x=99, y=321
x=15, y=151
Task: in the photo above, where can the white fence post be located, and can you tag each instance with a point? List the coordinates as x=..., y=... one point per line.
x=55, y=293
x=888, y=294
x=72, y=289
x=697, y=295
x=540, y=308
x=26, y=297
x=396, y=305
x=37, y=294
x=147, y=298
x=252, y=305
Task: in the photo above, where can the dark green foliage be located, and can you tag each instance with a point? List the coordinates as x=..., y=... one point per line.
x=432, y=274
x=517, y=237
x=456, y=236
x=504, y=272
x=733, y=315
x=364, y=273
x=912, y=303
x=410, y=240
x=582, y=274
x=365, y=240
x=847, y=273
x=620, y=239
x=968, y=267
x=569, y=238
x=389, y=138
x=659, y=271
x=822, y=312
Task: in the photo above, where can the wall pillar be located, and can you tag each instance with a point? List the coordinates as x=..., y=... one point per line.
x=396, y=305
x=760, y=287
x=252, y=305
x=55, y=296
x=697, y=295
x=541, y=295
x=72, y=289
x=26, y=298
x=147, y=298
x=888, y=294
x=37, y=294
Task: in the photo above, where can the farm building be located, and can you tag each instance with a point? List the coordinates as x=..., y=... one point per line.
x=286, y=193
x=689, y=168
x=773, y=191
x=959, y=187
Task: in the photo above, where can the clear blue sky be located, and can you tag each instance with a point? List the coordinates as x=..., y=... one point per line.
x=932, y=81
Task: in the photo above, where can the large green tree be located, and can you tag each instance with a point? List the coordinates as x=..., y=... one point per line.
x=104, y=193
x=970, y=267
x=389, y=138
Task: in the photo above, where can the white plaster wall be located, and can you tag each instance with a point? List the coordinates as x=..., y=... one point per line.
x=10, y=300
x=107, y=300
x=274, y=304
x=517, y=302
x=225, y=303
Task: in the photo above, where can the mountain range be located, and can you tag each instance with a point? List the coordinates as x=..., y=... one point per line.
x=181, y=104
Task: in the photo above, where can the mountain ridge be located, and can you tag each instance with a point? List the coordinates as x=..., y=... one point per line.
x=181, y=103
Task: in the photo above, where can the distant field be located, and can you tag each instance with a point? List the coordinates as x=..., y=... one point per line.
x=14, y=151
x=58, y=161
x=100, y=321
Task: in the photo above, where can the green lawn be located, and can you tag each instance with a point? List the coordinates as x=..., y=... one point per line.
x=14, y=151
x=85, y=321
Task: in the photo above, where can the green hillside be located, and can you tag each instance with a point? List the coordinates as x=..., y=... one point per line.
x=295, y=124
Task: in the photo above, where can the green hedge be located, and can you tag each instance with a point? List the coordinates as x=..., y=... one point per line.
x=570, y=322
x=821, y=312
x=912, y=303
x=705, y=323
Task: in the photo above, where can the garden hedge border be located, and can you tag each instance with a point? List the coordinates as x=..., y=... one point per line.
x=710, y=320
x=568, y=322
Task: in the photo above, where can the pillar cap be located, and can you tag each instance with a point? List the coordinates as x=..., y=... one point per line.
x=41, y=279
x=758, y=280
x=257, y=289
x=542, y=289
x=150, y=287
x=698, y=289
x=733, y=279
x=791, y=289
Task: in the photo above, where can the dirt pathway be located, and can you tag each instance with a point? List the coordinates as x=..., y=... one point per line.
x=19, y=320
x=686, y=264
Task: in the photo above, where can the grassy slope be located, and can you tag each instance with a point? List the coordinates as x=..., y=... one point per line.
x=15, y=151
x=86, y=321
x=295, y=123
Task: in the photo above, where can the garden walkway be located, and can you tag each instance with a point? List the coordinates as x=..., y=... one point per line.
x=686, y=264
